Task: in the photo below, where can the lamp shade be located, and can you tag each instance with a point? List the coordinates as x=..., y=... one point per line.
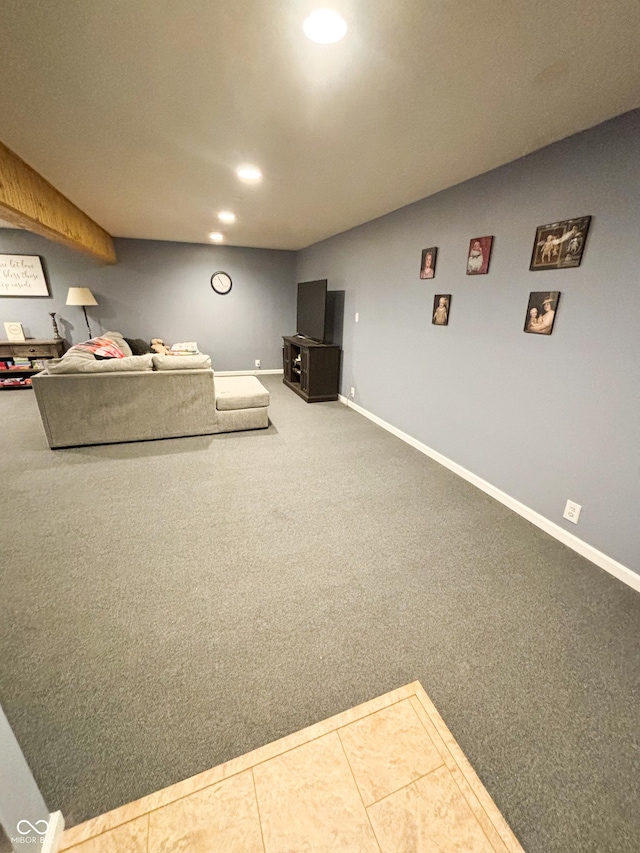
x=80, y=296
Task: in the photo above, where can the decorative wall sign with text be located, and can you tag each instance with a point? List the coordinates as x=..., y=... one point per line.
x=22, y=275
x=14, y=332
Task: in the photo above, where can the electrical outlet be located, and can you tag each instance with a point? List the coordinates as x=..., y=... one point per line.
x=572, y=512
x=357, y=317
x=257, y=362
x=352, y=393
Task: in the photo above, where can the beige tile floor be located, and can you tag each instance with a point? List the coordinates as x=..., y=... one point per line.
x=385, y=777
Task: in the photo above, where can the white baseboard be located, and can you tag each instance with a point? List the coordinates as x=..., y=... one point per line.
x=51, y=841
x=255, y=372
x=602, y=560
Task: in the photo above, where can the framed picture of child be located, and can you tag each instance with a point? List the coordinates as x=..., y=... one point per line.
x=441, y=303
x=428, y=262
x=541, y=312
x=479, y=255
x=560, y=245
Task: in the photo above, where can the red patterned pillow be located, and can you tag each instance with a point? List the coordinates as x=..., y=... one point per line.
x=102, y=347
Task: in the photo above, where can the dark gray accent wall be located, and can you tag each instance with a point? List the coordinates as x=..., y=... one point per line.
x=162, y=290
x=542, y=418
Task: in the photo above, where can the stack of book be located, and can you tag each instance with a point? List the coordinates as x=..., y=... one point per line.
x=15, y=382
x=186, y=348
x=20, y=366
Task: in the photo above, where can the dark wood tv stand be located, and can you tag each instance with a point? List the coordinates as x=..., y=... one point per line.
x=311, y=369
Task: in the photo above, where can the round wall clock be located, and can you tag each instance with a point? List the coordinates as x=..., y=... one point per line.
x=221, y=282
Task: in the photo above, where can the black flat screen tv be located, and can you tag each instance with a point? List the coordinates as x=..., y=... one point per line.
x=312, y=308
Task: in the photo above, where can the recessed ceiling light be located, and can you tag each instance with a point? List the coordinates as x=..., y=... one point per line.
x=248, y=173
x=325, y=26
x=216, y=236
x=226, y=216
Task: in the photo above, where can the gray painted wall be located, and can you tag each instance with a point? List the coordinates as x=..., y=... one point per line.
x=20, y=798
x=162, y=290
x=542, y=418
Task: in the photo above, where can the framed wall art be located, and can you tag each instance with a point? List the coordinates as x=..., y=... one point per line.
x=441, y=305
x=560, y=245
x=428, y=262
x=22, y=275
x=541, y=312
x=14, y=332
x=479, y=255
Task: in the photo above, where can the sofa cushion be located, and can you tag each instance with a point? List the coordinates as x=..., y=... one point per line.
x=78, y=364
x=99, y=347
x=109, y=345
x=120, y=342
x=240, y=392
x=182, y=362
x=76, y=352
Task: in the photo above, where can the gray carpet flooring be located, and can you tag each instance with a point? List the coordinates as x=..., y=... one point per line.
x=167, y=606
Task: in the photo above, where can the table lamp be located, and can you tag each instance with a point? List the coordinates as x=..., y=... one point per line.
x=81, y=296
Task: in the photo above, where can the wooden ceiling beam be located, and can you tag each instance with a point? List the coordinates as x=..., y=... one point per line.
x=29, y=201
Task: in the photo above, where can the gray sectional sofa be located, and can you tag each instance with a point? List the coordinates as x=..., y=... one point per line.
x=106, y=402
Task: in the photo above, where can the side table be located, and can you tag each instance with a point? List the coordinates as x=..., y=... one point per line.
x=31, y=349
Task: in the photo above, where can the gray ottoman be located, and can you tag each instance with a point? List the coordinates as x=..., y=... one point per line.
x=242, y=402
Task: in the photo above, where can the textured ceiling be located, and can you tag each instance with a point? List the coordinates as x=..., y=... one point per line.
x=140, y=111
